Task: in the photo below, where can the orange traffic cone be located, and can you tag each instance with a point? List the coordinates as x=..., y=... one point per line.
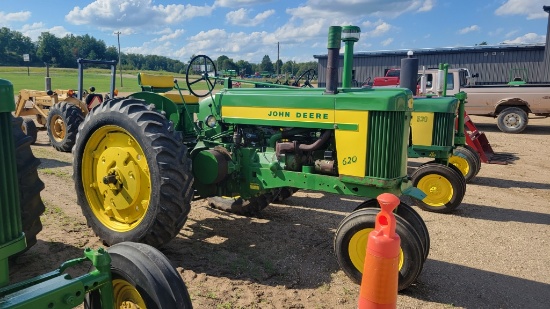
x=381, y=268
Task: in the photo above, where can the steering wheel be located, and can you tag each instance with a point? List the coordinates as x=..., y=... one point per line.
x=204, y=66
x=308, y=75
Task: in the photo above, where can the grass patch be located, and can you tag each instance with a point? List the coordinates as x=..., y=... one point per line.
x=55, y=172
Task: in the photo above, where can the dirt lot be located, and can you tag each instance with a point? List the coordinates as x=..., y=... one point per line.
x=493, y=252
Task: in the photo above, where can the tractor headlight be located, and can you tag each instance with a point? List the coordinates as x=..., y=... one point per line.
x=210, y=121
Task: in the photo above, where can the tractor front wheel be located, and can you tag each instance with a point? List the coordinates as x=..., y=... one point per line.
x=132, y=176
x=62, y=125
x=350, y=246
x=142, y=277
x=444, y=187
x=467, y=162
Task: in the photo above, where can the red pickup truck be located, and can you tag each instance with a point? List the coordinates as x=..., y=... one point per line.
x=391, y=79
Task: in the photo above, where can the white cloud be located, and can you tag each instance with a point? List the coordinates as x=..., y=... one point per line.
x=238, y=3
x=5, y=18
x=531, y=8
x=427, y=6
x=240, y=17
x=34, y=30
x=529, y=38
x=469, y=29
x=170, y=36
x=117, y=14
x=387, y=42
x=380, y=28
x=511, y=33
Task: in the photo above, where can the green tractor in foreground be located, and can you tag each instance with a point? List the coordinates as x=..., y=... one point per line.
x=127, y=275
x=139, y=160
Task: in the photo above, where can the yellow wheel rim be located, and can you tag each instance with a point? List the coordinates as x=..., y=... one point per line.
x=438, y=189
x=57, y=128
x=126, y=296
x=116, y=180
x=357, y=249
x=460, y=163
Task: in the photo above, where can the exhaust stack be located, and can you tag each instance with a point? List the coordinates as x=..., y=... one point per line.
x=334, y=39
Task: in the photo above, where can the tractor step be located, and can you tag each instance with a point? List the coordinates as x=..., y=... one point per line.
x=477, y=140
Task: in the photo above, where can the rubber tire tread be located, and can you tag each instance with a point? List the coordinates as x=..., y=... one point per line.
x=522, y=114
x=30, y=184
x=452, y=175
x=169, y=167
x=72, y=117
x=30, y=129
x=150, y=272
x=472, y=162
x=366, y=218
x=408, y=214
x=475, y=155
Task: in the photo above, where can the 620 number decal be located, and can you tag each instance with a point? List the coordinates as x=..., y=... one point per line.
x=349, y=160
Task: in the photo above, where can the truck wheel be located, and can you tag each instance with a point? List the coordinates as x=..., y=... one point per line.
x=62, y=125
x=350, y=243
x=132, y=176
x=465, y=161
x=142, y=277
x=444, y=187
x=512, y=120
x=30, y=184
x=411, y=216
x=29, y=128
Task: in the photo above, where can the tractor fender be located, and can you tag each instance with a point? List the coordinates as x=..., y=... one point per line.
x=78, y=103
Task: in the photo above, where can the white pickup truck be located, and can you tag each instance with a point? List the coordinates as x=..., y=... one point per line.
x=510, y=104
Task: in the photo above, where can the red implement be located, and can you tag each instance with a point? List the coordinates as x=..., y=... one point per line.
x=477, y=140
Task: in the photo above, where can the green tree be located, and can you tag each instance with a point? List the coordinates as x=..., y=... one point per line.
x=278, y=66
x=49, y=48
x=266, y=64
x=219, y=62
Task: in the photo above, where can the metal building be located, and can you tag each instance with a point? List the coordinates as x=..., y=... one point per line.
x=494, y=64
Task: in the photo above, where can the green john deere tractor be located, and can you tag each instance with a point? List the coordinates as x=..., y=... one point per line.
x=127, y=275
x=139, y=160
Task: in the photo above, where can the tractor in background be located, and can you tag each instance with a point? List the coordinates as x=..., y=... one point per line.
x=139, y=160
x=127, y=275
x=61, y=111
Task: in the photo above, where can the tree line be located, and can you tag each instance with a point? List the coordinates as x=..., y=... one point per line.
x=63, y=53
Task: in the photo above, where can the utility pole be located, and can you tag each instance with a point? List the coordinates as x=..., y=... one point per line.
x=119, y=64
x=277, y=58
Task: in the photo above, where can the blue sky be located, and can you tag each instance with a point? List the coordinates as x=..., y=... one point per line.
x=250, y=29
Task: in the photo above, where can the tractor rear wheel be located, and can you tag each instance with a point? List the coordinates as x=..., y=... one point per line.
x=30, y=184
x=350, y=244
x=445, y=187
x=142, y=277
x=29, y=128
x=62, y=125
x=132, y=176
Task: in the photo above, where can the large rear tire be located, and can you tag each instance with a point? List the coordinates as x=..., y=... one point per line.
x=142, y=277
x=132, y=176
x=62, y=125
x=30, y=184
x=350, y=244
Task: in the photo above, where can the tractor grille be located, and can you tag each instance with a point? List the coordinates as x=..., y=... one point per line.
x=443, y=132
x=10, y=217
x=386, y=143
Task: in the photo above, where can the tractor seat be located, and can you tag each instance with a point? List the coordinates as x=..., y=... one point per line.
x=155, y=83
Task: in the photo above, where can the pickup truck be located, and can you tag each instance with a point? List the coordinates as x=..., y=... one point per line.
x=391, y=79
x=509, y=103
